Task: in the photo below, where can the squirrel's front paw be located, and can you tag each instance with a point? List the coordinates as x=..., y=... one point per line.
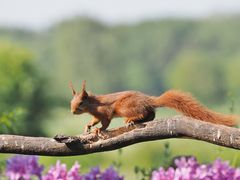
x=87, y=129
x=98, y=132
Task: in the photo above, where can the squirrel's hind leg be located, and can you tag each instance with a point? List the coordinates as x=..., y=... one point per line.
x=149, y=117
x=130, y=121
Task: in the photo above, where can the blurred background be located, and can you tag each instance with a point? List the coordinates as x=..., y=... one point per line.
x=147, y=45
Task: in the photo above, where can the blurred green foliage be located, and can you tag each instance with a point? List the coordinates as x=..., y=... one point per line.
x=21, y=91
x=152, y=56
x=201, y=57
x=200, y=75
x=9, y=122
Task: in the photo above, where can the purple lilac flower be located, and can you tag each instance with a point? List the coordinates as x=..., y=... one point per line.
x=110, y=174
x=163, y=175
x=186, y=168
x=189, y=169
x=73, y=173
x=59, y=172
x=221, y=170
x=21, y=166
x=202, y=172
x=93, y=174
x=237, y=174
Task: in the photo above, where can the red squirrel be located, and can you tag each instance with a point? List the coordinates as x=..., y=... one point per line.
x=135, y=107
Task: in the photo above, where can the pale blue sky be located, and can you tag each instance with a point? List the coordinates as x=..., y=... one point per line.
x=39, y=14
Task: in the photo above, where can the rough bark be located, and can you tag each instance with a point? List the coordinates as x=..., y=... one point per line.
x=174, y=127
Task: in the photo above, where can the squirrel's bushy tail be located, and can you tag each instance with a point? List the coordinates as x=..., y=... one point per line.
x=189, y=106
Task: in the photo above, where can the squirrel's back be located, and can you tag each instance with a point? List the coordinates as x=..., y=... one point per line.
x=189, y=106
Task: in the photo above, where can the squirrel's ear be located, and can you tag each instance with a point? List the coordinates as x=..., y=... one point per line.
x=71, y=87
x=84, y=92
x=84, y=95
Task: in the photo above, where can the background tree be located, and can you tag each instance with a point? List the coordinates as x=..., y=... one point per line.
x=21, y=92
x=199, y=74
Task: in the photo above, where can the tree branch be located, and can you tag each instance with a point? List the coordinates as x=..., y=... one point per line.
x=174, y=127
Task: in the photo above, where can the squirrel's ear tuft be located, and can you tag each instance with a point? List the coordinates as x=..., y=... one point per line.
x=84, y=85
x=71, y=87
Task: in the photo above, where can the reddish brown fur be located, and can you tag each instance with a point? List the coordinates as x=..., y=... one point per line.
x=189, y=106
x=135, y=106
